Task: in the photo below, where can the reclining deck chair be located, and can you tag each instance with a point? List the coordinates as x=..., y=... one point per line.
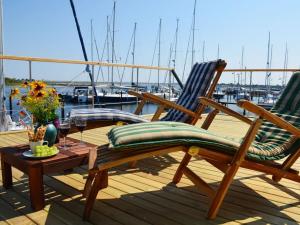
x=271, y=136
x=202, y=81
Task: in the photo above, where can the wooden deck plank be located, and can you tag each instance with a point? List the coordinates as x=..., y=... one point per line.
x=134, y=206
x=250, y=208
x=64, y=207
x=145, y=196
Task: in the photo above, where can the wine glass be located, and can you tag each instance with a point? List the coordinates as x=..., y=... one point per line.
x=64, y=128
x=80, y=124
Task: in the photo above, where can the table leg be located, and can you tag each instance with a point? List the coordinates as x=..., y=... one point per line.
x=36, y=188
x=6, y=173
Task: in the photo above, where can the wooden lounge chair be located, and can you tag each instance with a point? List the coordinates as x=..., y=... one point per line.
x=202, y=81
x=272, y=135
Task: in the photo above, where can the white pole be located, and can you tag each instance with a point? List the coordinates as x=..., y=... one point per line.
x=2, y=80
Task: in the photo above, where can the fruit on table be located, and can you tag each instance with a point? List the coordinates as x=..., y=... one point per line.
x=44, y=150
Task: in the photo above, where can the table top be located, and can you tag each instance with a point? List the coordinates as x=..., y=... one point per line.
x=74, y=150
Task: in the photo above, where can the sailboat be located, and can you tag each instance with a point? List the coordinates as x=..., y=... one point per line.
x=111, y=92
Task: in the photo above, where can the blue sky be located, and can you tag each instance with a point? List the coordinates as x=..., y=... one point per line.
x=43, y=28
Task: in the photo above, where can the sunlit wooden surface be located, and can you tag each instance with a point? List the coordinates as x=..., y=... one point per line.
x=145, y=195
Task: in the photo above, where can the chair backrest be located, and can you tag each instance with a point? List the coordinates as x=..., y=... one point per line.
x=277, y=142
x=197, y=84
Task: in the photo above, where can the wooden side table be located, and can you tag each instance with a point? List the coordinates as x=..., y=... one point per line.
x=74, y=156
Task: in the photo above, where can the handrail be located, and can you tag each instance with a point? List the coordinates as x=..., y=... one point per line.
x=262, y=70
x=68, y=61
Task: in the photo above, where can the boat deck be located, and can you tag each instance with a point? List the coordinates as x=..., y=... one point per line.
x=144, y=195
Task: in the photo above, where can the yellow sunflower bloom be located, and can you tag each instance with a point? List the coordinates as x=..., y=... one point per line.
x=14, y=92
x=40, y=94
x=25, y=84
x=38, y=86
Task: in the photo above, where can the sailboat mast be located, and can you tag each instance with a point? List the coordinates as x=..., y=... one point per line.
x=107, y=47
x=92, y=48
x=175, y=44
x=242, y=65
x=2, y=80
x=193, y=32
x=203, y=51
x=284, y=75
x=218, y=52
x=113, y=44
x=268, y=62
x=83, y=47
x=133, y=53
x=158, y=58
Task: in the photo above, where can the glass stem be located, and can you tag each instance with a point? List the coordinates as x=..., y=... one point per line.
x=64, y=143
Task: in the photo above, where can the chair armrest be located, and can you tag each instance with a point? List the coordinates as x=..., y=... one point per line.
x=136, y=94
x=168, y=104
x=269, y=116
x=218, y=106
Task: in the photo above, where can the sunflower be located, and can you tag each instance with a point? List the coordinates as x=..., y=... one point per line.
x=38, y=86
x=14, y=92
x=53, y=91
x=40, y=94
x=25, y=84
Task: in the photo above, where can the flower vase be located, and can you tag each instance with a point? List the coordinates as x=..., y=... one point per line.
x=51, y=134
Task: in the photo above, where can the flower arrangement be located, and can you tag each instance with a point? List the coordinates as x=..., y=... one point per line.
x=41, y=101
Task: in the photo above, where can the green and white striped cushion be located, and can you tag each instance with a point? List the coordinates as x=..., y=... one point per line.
x=272, y=140
x=154, y=134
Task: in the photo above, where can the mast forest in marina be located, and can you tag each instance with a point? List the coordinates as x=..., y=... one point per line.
x=2, y=82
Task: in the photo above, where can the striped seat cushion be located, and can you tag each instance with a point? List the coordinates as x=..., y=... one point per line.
x=272, y=139
x=196, y=85
x=104, y=114
x=154, y=134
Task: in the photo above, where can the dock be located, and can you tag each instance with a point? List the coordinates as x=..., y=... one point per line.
x=145, y=194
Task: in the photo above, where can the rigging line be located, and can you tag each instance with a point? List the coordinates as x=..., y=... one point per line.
x=153, y=56
x=169, y=63
x=186, y=54
x=102, y=55
x=171, y=53
x=131, y=40
x=72, y=80
x=115, y=55
x=97, y=51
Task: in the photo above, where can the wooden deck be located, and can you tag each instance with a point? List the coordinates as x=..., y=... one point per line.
x=145, y=195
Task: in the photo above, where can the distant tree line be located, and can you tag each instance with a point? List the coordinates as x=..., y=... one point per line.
x=13, y=81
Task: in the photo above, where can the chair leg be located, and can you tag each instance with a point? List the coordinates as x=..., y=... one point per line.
x=132, y=164
x=88, y=184
x=100, y=182
x=185, y=161
x=221, y=192
x=287, y=164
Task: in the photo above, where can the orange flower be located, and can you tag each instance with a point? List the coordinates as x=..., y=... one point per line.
x=38, y=86
x=14, y=92
x=53, y=91
x=25, y=84
x=40, y=94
